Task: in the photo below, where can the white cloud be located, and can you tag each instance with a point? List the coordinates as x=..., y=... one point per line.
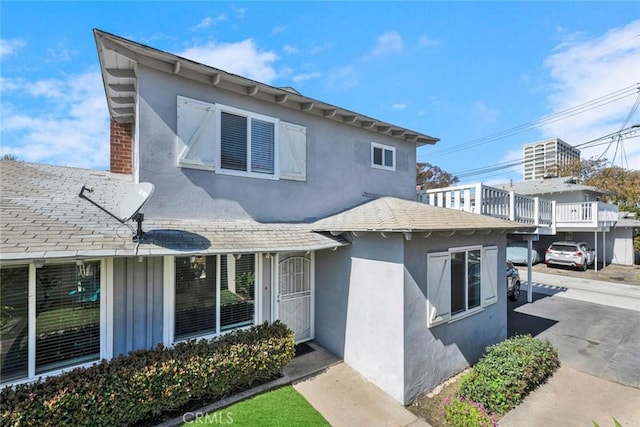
x=60, y=53
x=425, y=41
x=290, y=49
x=482, y=114
x=306, y=76
x=320, y=48
x=279, y=30
x=242, y=58
x=71, y=127
x=399, y=106
x=341, y=78
x=10, y=47
x=209, y=21
x=585, y=69
x=387, y=43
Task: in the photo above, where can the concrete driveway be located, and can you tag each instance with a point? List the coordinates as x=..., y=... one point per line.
x=595, y=326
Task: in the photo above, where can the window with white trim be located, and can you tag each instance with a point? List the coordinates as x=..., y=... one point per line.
x=460, y=281
x=247, y=142
x=233, y=141
x=50, y=318
x=213, y=294
x=383, y=156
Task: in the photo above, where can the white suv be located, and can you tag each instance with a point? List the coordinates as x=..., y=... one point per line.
x=577, y=255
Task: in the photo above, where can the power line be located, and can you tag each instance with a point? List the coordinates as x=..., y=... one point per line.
x=579, y=109
x=509, y=165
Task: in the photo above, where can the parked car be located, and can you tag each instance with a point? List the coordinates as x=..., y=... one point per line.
x=513, y=282
x=517, y=254
x=577, y=255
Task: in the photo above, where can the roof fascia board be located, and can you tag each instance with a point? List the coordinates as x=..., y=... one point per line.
x=166, y=62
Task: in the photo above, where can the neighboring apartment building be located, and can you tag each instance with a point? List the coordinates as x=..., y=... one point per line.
x=547, y=158
x=267, y=205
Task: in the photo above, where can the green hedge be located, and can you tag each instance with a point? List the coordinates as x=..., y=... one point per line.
x=144, y=384
x=508, y=372
x=463, y=413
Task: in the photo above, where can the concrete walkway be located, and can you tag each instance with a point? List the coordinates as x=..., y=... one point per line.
x=346, y=398
x=573, y=398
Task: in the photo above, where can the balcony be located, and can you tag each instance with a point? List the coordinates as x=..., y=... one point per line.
x=547, y=215
x=585, y=216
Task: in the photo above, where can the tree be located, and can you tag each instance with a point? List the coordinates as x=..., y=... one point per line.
x=11, y=157
x=581, y=169
x=431, y=176
x=624, y=183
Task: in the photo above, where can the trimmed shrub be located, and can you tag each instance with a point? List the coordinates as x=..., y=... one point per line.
x=146, y=383
x=508, y=372
x=460, y=412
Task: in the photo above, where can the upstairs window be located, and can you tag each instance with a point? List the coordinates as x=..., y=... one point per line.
x=247, y=142
x=383, y=156
x=232, y=141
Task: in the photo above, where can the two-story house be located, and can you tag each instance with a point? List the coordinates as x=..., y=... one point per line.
x=267, y=205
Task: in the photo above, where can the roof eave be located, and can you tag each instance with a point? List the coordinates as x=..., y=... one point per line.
x=170, y=63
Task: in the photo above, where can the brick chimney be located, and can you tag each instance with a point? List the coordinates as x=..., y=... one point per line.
x=121, y=147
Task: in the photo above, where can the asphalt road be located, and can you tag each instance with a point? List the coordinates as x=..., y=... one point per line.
x=594, y=325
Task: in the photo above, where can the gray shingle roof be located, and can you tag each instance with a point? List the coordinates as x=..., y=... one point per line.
x=548, y=186
x=397, y=215
x=41, y=216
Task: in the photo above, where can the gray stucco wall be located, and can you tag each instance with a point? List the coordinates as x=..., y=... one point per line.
x=371, y=309
x=333, y=269
x=137, y=303
x=363, y=297
x=432, y=355
x=338, y=162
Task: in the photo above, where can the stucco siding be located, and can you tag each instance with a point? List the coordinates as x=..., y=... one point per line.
x=432, y=355
x=137, y=304
x=337, y=156
x=359, y=308
x=333, y=269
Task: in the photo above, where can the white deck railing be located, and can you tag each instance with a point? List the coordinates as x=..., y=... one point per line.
x=586, y=214
x=491, y=201
x=546, y=214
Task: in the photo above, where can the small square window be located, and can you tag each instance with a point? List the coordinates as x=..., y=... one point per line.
x=383, y=156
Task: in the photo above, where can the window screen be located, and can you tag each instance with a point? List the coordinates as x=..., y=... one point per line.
x=233, y=141
x=377, y=156
x=237, y=291
x=195, y=299
x=262, y=146
x=67, y=315
x=14, y=322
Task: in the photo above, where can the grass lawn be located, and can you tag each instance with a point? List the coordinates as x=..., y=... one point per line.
x=281, y=407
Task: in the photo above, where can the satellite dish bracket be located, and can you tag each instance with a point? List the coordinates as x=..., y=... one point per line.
x=90, y=190
x=137, y=216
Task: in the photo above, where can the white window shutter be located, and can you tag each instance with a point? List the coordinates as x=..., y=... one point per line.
x=489, y=275
x=438, y=288
x=196, y=133
x=293, y=152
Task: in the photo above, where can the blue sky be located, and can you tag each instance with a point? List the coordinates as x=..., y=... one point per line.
x=460, y=71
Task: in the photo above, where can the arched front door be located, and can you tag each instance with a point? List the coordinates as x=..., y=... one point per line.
x=294, y=297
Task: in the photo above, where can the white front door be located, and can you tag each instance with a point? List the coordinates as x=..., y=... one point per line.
x=295, y=295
